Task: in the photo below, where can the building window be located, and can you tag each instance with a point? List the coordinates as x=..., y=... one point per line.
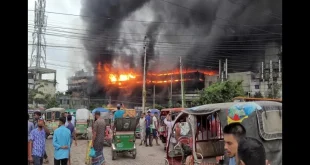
x=256, y=86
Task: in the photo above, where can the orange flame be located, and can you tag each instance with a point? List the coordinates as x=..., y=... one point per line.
x=107, y=75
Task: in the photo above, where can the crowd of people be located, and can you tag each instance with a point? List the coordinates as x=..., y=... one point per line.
x=63, y=137
x=240, y=149
x=148, y=124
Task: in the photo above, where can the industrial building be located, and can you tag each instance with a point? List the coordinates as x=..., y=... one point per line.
x=76, y=95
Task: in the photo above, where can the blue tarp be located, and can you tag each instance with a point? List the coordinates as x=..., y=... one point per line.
x=100, y=109
x=154, y=110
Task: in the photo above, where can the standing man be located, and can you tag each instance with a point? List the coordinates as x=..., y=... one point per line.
x=148, y=122
x=36, y=143
x=232, y=134
x=61, y=143
x=141, y=124
x=169, y=123
x=251, y=152
x=72, y=121
x=98, y=139
x=73, y=135
x=155, y=127
x=37, y=116
x=119, y=113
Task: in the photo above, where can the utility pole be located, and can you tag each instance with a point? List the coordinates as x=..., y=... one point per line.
x=226, y=69
x=171, y=90
x=182, y=83
x=144, y=76
x=220, y=69
x=271, y=79
x=153, y=96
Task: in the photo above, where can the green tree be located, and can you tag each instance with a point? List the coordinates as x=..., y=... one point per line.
x=220, y=92
x=258, y=95
x=275, y=91
x=51, y=103
x=159, y=107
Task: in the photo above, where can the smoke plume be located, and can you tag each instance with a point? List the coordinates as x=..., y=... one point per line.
x=202, y=32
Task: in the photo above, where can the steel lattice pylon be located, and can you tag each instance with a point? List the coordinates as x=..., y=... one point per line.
x=38, y=53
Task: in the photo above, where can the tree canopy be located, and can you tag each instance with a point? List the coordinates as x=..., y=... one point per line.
x=220, y=92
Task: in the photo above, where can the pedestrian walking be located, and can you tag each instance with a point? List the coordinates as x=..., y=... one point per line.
x=154, y=127
x=36, y=143
x=141, y=125
x=73, y=135
x=148, y=122
x=37, y=115
x=98, y=139
x=61, y=143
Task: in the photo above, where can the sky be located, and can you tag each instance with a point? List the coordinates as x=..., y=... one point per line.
x=64, y=60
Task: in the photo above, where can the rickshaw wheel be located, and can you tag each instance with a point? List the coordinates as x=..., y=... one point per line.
x=134, y=153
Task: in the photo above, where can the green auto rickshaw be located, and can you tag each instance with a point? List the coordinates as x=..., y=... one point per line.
x=123, y=139
x=82, y=122
x=52, y=116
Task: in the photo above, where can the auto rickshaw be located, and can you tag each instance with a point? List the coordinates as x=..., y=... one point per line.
x=123, y=139
x=82, y=122
x=197, y=137
x=52, y=116
x=162, y=128
x=248, y=99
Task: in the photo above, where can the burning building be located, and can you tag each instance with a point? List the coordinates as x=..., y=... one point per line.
x=202, y=32
x=126, y=86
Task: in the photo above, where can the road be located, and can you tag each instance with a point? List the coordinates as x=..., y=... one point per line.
x=145, y=155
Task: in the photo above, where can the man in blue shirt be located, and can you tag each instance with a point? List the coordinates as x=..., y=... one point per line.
x=232, y=134
x=61, y=143
x=37, y=116
x=119, y=113
x=36, y=143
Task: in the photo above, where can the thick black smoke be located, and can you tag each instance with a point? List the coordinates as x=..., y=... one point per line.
x=201, y=31
x=104, y=18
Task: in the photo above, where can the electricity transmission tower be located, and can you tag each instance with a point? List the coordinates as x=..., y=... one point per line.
x=38, y=53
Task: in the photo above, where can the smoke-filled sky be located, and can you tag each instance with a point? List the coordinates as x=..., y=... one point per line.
x=86, y=32
x=201, y=31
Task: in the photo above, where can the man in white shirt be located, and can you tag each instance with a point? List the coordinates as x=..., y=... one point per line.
x=154, y=127
x=72, y=120
x=142, y=127
x=169, y=123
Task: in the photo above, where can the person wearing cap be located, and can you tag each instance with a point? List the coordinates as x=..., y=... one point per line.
x=99, y=128
x=119, y=113
x=36, y=143
x=148, y=122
